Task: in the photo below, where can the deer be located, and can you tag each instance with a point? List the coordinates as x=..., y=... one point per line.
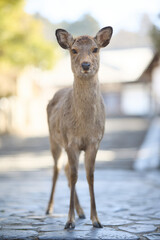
x=76, y=118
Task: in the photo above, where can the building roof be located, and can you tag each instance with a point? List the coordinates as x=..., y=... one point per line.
x=124, y=65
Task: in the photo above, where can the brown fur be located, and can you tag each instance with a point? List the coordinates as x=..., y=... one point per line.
x=76, y=117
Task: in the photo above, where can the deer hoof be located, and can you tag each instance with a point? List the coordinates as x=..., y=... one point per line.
x=97, y=225
x=82, y=216
x=48, y=212
x=69, y=225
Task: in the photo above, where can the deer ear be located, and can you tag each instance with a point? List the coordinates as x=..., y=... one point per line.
x=103, y=36
x=64, y=38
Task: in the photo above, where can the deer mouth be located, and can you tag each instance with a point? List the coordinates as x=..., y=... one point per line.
x=86, y=74
x=86, y=71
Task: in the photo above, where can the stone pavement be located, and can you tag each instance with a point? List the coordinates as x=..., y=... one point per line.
x=128, y=204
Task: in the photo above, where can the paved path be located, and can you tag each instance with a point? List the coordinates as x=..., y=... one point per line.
x=127, y=202
x=148, y=156
x=118, y=149
x=123, y=137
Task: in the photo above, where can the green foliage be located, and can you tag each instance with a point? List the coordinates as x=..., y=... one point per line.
x=21, y=40
x=85, y=25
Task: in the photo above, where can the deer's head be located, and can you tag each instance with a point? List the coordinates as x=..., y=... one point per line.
x=84, y=50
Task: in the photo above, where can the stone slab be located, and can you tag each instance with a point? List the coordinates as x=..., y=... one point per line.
x=92, y=233
x=17, y=234
x=138, y=228
x=152, y=236
x=150, y=222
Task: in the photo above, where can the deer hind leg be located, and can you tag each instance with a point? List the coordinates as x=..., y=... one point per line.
x=90, y=156
x=56, y=152
x=78, y=207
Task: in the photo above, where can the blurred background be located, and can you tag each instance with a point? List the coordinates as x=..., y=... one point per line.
x=33, y=68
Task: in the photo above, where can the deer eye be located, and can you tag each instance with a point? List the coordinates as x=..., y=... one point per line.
x=74, y=51
x=95, y=50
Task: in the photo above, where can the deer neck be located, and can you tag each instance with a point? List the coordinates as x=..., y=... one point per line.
x=86, y=95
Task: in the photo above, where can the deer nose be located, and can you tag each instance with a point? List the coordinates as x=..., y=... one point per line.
x=85, y=65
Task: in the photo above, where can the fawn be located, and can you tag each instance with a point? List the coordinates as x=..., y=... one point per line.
x=76, y=117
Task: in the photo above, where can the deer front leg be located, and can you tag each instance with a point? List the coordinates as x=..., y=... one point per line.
x=73, y=157
x=90, y=156
x=78, y=207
